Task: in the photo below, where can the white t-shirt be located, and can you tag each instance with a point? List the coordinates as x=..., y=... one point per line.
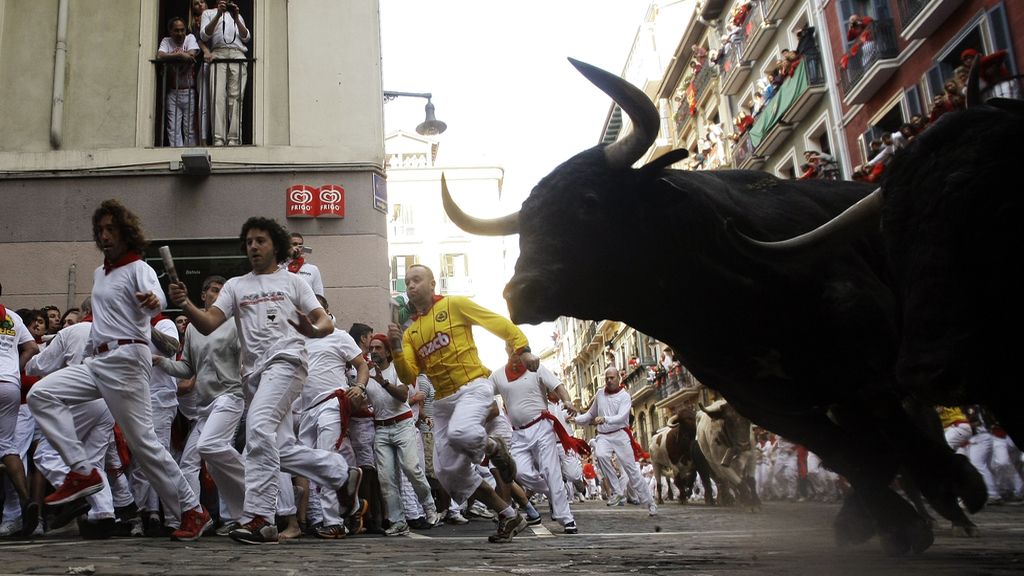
x=525, y=397
x=311, y=274
x=182, y=69
x=614, y=407
x=13, y=333
x=385, y=405
x=328, y=357
x=163, y=388
x=225, y=33
x=68, y=348
x=116, y=313
x=262, y=305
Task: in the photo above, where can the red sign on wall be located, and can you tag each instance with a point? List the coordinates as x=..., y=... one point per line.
x=332, y=201
x=302, y=201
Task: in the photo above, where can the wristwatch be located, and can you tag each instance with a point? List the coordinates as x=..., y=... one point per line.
x=524, y=350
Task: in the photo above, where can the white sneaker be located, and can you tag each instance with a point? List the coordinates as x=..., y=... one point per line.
x=397, y=529
x=478, y=510
x=653, y=509
x=456, y=517
x=430, y=515
x=10, y=527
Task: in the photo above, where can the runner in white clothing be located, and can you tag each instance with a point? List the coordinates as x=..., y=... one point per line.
x=274, y=312
x=125, y=296
x=534, y=437
x=609, y=411
x=16, y=348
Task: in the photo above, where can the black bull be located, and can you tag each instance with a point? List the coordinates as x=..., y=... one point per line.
x=804, y=348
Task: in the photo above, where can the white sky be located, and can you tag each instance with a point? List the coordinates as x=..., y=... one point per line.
x=500, y=80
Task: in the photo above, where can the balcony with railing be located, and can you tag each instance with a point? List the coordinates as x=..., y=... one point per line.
x=808, y=87
x=801, y=90
x=875, y=61
x=701, y=80
x=639, y=382
x=759, y=31
x=743, y=156
x=919, y=18
x=674, y=381
x=734, y=71
x=186, y=109
x=682, y=119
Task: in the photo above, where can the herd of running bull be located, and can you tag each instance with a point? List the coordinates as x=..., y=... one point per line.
x=841, y=339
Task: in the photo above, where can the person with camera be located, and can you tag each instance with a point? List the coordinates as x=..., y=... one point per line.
x=297, y=264
x=224, y=30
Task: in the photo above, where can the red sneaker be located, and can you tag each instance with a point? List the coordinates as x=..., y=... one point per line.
x=76, y=486
x=193, y=523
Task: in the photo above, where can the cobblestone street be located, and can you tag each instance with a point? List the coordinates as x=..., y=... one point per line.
x=784, y=538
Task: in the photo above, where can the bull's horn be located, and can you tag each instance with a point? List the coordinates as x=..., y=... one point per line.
x=867, y=209
x=973, y=96
x=493, y=227
x=636, y=105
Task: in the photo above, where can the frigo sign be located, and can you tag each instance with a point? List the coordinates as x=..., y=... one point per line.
x=303, y=201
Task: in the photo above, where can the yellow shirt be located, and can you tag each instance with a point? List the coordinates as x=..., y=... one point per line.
x=951, y=415
x=439, y=343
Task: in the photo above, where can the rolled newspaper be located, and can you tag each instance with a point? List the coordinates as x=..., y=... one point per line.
x=165, y=253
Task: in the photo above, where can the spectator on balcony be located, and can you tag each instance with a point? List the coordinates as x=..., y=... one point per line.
x=744, y=120
x=223, y=28
x=823, y=165
x=741, y=11
x=861, y=31
x=788, y=64
x=195, y=24
x=806, y=42
x=177, y=53
x=992, y=73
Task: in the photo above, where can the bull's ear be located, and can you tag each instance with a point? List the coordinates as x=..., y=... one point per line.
x=654, y=167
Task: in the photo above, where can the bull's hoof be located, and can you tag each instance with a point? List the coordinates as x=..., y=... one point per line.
x=969, y=485
x=853, y=525
x=913, y=536
x=969, y=530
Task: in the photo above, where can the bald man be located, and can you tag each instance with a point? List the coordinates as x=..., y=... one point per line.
x=610, y=413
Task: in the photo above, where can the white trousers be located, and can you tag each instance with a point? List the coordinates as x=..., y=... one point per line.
x=460, y=437
x=618, y=443
x=121, y=378
x=410, y=501
x=180, y=105
x=145, y=496
x=213, y=439
x=539, y=467
x=397, y=453
x=229, y=79
x=24, y=433
x=95, y=427
x=10, y=404
x=270, y=443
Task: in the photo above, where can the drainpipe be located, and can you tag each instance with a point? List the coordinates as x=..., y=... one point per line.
x=57, y=113
x=72, y=286
x=828, y=63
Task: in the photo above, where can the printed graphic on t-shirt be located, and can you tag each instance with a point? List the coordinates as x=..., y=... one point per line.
x=439, y=341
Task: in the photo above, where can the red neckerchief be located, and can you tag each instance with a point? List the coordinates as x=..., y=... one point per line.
x=437, y=298
x=128, y=258
x=38, y=339
x=610, y=393
x=86, y=318
x=295, y=264
x=513, y=371
x=159, y=316
x=568, y=441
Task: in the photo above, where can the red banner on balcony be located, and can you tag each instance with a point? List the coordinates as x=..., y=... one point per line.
x=302, y=201
x=332, y=201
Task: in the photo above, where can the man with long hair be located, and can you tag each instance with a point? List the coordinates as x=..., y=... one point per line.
x=274, y=311
x=126, y=295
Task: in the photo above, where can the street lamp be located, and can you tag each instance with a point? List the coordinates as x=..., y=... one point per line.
x=431, y=126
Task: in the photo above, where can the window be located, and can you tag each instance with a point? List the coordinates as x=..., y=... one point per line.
x=399, y=266
x=194, y=260
x=455, y=274
x=402, y=221
x=184, y=107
